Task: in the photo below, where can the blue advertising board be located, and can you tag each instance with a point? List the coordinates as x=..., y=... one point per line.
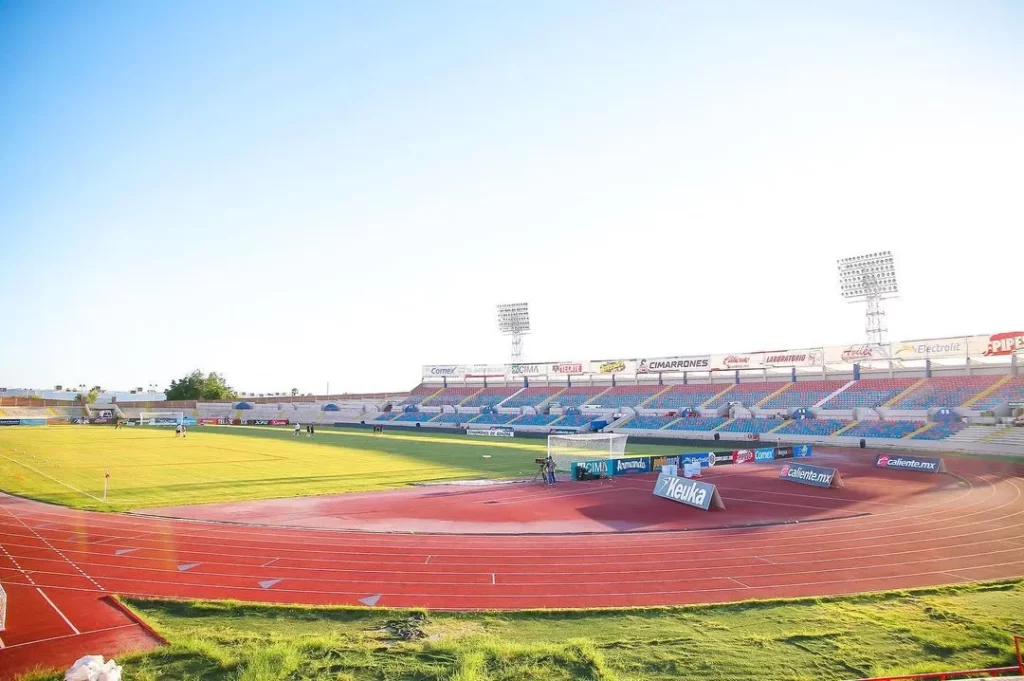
x=33, y=422
x=801, y=451
x=635, y=464
x=807, y=474
x=10, y=422
x=596, y=467
x=764, y=455
x=688, y=491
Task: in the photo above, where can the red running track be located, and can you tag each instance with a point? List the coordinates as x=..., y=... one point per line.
x=885, y=530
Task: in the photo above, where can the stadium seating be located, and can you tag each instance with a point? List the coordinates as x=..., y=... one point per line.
x=698, y=423
x=573, y=420
x=535, y=420
x=816, y=427
x=750, y=426
x=493, y=419
x=531, y=397
x=625, y=396
x=453, y=417
x=681, y=397
x=1013, y=391
x=648, y=422
x=578, y=395
x=803, y=394
x=489, y=397
x=890, y=429
x=450, y=396
x=944, y=392
x=747, y=393
x=872, y=392
x=940, y=431
x=388, y=416
x=414, y=417
x=419, y=393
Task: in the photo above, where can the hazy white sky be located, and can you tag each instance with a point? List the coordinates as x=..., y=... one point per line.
x=291, y=194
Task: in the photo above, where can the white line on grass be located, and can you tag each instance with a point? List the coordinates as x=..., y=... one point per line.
x=59, y=482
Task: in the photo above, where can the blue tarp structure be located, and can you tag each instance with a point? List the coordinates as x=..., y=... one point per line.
x=243, y=405
x=331, y=407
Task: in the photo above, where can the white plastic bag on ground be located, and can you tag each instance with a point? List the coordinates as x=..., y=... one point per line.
x=93, y=668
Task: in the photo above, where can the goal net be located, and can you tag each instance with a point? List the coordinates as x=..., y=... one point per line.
x=161, y=418
x=565, y=449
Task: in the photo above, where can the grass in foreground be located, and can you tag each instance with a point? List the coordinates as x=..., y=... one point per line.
x=150, y=467
x=965, y=626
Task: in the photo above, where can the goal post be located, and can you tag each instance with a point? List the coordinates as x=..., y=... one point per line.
x=565, y=449
x=161, y=418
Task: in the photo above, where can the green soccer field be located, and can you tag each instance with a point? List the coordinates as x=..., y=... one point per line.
x=150, y=467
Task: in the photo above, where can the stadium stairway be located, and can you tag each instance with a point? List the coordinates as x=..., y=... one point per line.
x=848, y=384
x=718, y=396
x=988, y=391
x=775, y=394
x=3, y=413
x=469, y=397
x=845, y=428
x=643, y=405
x=545, y=402
x=996, y=435
x=926, y=427
x=722, y=425
x=917, y=384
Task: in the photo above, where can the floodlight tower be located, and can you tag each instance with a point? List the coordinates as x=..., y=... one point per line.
x=870, y=279
x=514, y=321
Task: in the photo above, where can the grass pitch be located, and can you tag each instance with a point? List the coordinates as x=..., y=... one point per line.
x=959, y=627
x=150, y=467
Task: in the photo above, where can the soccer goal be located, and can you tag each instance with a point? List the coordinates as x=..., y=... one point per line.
x=161, y=418
x=565, y=449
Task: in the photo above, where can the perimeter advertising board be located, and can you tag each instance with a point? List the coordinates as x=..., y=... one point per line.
x=899, y=462
x=660, y=365
x=636, y=464
x=933, y=348
x=460, y=371
x=857, y=353
x=10, y=422
x=688, y=491
x=806, y=474
x=605, y=367
x=596, y=467
x=764, y=455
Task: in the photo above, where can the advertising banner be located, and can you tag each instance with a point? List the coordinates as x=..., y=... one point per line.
x=743, y=456
x=493, y=431
x=814, y=357
x=658, y=461
x=934, y=348
x=784, y=453
x=764, y=455
x=899, y=462
x=514, y=370
x=854, y=354
x=613, y=366
x=10, y=422
x=742, y=360
x=1004, y=344
x=660, y=365
x=806, y=474
x=801, y=451
x=597, y=467
x=709, y=459
x=464, y=371
x=636, y=464
x=565, y=368
x=279, y=422
x=33, y=422
x=211, y=421
x=691, y=492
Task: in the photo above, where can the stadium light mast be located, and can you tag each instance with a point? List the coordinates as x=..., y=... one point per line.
x=870, y=279
x=514, y=321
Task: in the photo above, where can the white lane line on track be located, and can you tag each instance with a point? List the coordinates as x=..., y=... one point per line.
x=270, y=562
x=427, y=560
x=58, y=638
x=57, y=610
x=57, y=551
x=765, y=560
x=492, y=579
x=745, y=586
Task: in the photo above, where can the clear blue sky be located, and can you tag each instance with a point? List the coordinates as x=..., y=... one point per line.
x=291, y=193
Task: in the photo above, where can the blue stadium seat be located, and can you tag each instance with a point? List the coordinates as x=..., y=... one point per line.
x=888, y=429
x=535, y=420
x=817, y=427
x=414, y=417
x=531, y=397
x=871, y=392
x=489, y=397
x=449, y=396
x=648, y=422
x=698, y=423
x=747, y=393
x=945, y=392
x=1012, y=391
x=803, y=394
x=750, y=426
x=493, y=419
x=680, y=397
x=577, y=396
x=625, y=396
x=940, y=431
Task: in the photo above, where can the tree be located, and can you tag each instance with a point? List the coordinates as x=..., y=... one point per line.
x=197, y=386
x=295, y=392
x=89, y=397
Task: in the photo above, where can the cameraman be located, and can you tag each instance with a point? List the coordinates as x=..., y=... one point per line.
x=549, y=466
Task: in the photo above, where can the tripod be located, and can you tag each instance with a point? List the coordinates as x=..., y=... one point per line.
x=541, y=475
